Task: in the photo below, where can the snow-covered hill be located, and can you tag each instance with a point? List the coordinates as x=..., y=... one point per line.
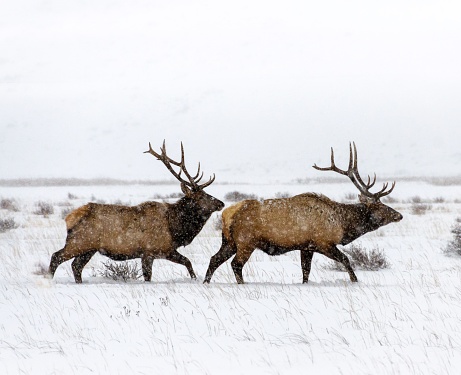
x=258, y=91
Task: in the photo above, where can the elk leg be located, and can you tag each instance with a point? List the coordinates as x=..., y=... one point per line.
x=146, y=263
x=176, y=257
x=306, y=261
x=80, y=262
x=57, y=258
x=340, y=257
x=238, y=262
x=224, y=253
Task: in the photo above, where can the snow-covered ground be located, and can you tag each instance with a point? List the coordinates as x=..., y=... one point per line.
x=403, y=320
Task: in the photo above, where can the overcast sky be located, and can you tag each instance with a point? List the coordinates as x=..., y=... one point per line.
x=255, y=89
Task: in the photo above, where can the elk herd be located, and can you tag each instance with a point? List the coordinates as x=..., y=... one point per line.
x=309, y=222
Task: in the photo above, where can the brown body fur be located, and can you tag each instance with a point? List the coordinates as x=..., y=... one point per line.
x=149, y=231
x=121, y=230
x=308, y=222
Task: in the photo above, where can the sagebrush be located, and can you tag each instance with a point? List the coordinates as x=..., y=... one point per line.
x=237, y=196
x=361, y=258
x=120, y=271
x=454, y=246
x=9, y=204
x=7, y=224
x=45, y=209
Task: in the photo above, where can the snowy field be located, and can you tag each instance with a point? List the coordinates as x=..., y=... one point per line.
x=403, y=320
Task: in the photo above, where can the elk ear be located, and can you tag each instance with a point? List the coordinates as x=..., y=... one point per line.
x=187, y=192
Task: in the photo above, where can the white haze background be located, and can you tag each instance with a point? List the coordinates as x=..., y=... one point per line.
x=256, y=90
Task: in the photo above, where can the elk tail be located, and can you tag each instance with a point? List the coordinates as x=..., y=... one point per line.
x=76, y=216
x=227, y=219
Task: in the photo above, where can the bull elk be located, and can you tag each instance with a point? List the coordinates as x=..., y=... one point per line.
x=149, y=231
x=311, y=223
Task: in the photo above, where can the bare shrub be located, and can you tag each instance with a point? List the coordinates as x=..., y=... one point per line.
x=7, y=224
x=439, y=200
x=9, y=204
x=236, y=196
x=165, y=197
x=45, y=209
x=40, y=269
x=416, y=199
x=350, y=196
x=123, y=271
x=420, y=208
x=71, y=196
x=283, y=194
x=361, y=258
x=390, y=200
x=217, y=223
x=454, y=246
x=119, y=202
x=66, y=211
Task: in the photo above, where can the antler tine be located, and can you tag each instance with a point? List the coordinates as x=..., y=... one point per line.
x=168, y=162
x=369, y=185
x=352, y=157
x=383, y=193
x=151, y=151
x=333, y=167
x=198, y=179
x=191, y=179
x=198, y=172
x=353, y=174
x=165, y=157
x=203, y=186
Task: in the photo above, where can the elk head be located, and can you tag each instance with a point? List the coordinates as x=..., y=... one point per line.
x=380, y=214
x=203, y=203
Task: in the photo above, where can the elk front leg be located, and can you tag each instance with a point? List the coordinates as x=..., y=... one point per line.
x=146, y=263
x=176, y=257
x=335, y=254
x=80, y=262
x=224, y=253
x=306, y=261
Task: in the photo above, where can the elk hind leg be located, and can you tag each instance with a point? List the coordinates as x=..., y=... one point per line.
x=306, y=261
x=242, y=256
x=146, y=263
x=176, y=257
x=59, y=257
x=79, y=262
x=224, y=253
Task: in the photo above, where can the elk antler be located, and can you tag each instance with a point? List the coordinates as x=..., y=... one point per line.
x=193, y=181
x=353, y=173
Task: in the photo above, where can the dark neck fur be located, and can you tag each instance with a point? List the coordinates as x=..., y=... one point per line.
x=186, y=219
x=357, y=221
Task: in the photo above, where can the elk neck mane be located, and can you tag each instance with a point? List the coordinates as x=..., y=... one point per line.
x=355, y=217
x=186, y=220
